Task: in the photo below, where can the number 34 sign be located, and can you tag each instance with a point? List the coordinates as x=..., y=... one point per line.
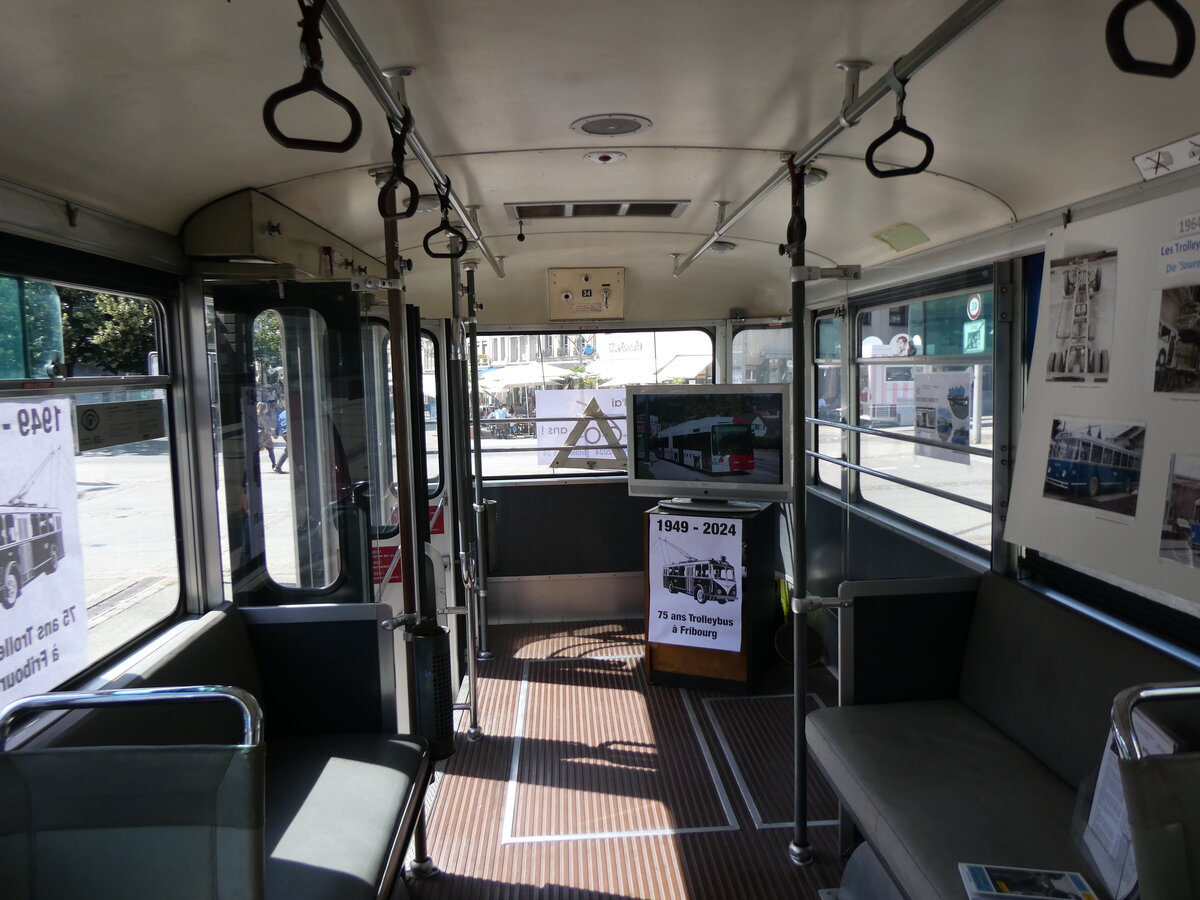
x=695, y=572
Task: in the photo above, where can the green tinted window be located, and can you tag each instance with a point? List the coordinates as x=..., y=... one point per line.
x=829, y=338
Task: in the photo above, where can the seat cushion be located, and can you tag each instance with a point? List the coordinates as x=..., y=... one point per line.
x=334, y=805
x=932, y=784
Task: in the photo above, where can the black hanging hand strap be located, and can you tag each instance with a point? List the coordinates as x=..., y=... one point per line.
x=797, y=229
x=310, y=51
x=444, y=227
x=1118, y=49
x=387, y=195
x=899, y=126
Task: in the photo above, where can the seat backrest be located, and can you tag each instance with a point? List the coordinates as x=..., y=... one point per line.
x=1046, y=674
x=217, y=651
x=132, y=822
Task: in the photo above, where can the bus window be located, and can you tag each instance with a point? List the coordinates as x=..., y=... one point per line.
x=532, y=404
x=762, y=355
x=89, y=525
x=930, y=419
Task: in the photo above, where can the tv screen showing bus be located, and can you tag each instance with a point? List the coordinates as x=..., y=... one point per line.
x=704, y=441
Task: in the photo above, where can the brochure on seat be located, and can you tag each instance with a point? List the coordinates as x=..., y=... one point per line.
x=996, y=882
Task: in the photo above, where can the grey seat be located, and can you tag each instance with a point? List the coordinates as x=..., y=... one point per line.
x=132, y=822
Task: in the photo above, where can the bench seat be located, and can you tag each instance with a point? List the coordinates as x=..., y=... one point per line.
x=985, y=764
x=932, y=784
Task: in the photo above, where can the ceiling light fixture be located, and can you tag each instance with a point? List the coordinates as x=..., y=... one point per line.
x=813, y=175
x=611, y=124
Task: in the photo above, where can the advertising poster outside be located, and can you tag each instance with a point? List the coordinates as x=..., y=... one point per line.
x=942, y=413
x=43, y=616
x=592, y=437
x=695, y=571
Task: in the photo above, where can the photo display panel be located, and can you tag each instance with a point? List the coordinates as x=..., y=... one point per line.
x=1108, y=463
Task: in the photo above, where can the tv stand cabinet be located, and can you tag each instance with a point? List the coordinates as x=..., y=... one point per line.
x=688, y=613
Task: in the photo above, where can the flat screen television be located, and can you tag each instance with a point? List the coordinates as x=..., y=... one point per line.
x=705, y=444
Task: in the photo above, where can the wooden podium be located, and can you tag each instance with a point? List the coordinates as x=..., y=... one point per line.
x=688, y=549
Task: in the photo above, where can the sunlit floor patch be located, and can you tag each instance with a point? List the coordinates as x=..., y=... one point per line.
x=584, y=769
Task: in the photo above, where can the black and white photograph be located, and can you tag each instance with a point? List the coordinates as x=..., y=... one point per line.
x=1177, y=350
x=1180, y=541
x=43, y=617
x=1081, y=294
x=1096, y=463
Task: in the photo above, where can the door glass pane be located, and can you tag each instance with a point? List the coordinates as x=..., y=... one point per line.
x=381, y=428
x=431, y=399
x=296, y=456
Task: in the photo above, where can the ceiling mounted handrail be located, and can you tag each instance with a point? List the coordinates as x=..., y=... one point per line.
x=342, y=31
x=937, y=40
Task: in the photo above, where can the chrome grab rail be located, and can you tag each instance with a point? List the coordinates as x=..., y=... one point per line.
x=252, y=724
x=1122, y=711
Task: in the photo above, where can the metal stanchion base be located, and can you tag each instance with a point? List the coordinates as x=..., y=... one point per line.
x=420, y=869
x=485, y=655
x=800, y=856
x=474, y=733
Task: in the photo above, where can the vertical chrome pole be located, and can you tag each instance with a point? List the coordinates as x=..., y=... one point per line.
x=467, y=541
x=799, y=849
x=406, y=502
x=481, y=529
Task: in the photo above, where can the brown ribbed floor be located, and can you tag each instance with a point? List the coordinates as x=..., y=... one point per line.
x=592, y=784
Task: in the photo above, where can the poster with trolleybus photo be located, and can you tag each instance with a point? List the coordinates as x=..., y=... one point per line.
x=43, y=616
x=695, y=573
x=1095, y=462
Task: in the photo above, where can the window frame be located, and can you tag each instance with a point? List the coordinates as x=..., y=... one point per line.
x=862, y=311
x=513, y=335
x=162, y=293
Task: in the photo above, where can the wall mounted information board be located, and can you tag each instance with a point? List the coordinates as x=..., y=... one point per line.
x=1108, y=463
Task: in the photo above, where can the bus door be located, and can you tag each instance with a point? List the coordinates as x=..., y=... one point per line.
x=293, y=442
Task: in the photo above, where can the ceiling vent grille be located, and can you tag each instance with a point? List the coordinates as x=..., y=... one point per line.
x=659, y=209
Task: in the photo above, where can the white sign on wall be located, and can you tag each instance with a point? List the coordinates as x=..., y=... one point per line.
x=695, y=571
x=567, y=407
x=43, y=613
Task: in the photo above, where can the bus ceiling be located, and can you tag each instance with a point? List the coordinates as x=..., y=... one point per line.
x=521, y=123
